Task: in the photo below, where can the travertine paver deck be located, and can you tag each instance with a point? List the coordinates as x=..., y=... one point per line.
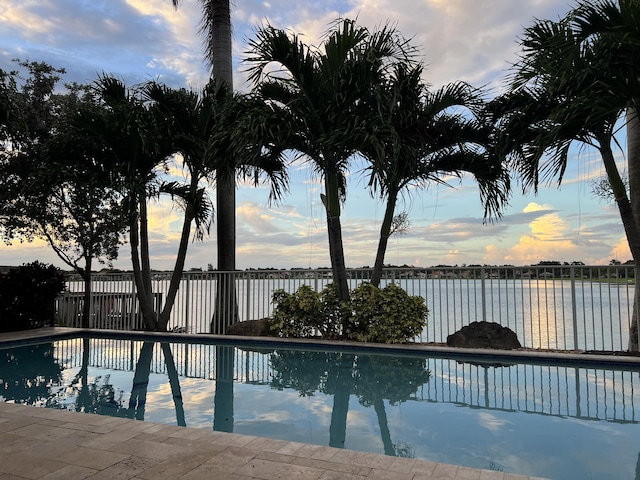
x=41, y=443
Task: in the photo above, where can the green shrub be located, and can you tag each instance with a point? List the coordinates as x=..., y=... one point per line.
x=27, y=296
x=387, y=315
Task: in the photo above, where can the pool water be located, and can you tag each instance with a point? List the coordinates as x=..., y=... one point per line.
x=560, y=422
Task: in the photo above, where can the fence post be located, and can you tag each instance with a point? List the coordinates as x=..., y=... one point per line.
x=574, y=309
x=484, y=294
x=249, y=315
x=187, y=303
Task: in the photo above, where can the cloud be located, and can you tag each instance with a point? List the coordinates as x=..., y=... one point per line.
x=547, y=239
x=257, y=220
x=460, y=39
x=620, y=252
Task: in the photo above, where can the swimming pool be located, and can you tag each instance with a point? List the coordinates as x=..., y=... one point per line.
x=555, y=420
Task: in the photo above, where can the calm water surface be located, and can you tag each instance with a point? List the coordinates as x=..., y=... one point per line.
x=560, y=422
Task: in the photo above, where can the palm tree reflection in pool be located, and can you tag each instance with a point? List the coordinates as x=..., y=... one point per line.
x=373, y=379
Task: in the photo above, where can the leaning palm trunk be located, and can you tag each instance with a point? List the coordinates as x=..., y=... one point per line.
x=385, y=233
x=138, y=398
x=383, y=424
x=630, y=227
x=633, y=166
x=174, y=383
x=176, y=275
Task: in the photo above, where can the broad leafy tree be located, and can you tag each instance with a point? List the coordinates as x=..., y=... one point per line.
x=319, y=92
x=54, y=184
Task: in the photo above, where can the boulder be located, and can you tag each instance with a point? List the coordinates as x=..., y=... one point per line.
x=250, y=328
x=484, y=335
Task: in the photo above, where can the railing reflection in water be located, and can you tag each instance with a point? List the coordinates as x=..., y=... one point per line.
x=563, y=391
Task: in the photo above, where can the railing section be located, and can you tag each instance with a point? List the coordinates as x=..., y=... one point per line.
x=557, y=307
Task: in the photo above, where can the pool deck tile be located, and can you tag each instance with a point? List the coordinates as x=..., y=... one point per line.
x=50, y=444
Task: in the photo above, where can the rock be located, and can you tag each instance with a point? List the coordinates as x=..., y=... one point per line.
x=250, y=328
x=484, y=335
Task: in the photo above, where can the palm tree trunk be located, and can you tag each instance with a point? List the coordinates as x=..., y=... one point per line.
x=220, y=46
x=138, y=399
x=334, y=228
x=146, y=305
x=222, y=61
x=144, y=248
x=629, y=223
x=226, y=312
x=381, y=413
x=385, y=233
x=633, y=167
x=176, y=275
x=342, y=392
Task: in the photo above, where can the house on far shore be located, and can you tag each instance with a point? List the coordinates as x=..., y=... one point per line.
x=4, y=269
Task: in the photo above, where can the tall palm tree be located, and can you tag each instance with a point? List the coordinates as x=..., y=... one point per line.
x=429, y=138
x=215, y=27
x=572, y=84
x=319, y=92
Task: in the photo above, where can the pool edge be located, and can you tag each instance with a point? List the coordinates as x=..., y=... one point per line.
x=474, y=355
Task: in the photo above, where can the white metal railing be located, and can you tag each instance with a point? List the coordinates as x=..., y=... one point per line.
x=559, y=307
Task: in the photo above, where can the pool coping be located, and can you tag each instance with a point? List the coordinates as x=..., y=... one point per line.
x=490, y=357
x=46, y=444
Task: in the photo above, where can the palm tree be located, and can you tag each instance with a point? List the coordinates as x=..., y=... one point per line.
x=617, y=25
x=319, y=92
x=215, y=27
x=427, y=138
x=208, y=129
x=127, y=130
x=144, y=126
x=572, y=84
x=187, y=118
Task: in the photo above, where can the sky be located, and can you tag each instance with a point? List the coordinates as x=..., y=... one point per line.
x=458, y=40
